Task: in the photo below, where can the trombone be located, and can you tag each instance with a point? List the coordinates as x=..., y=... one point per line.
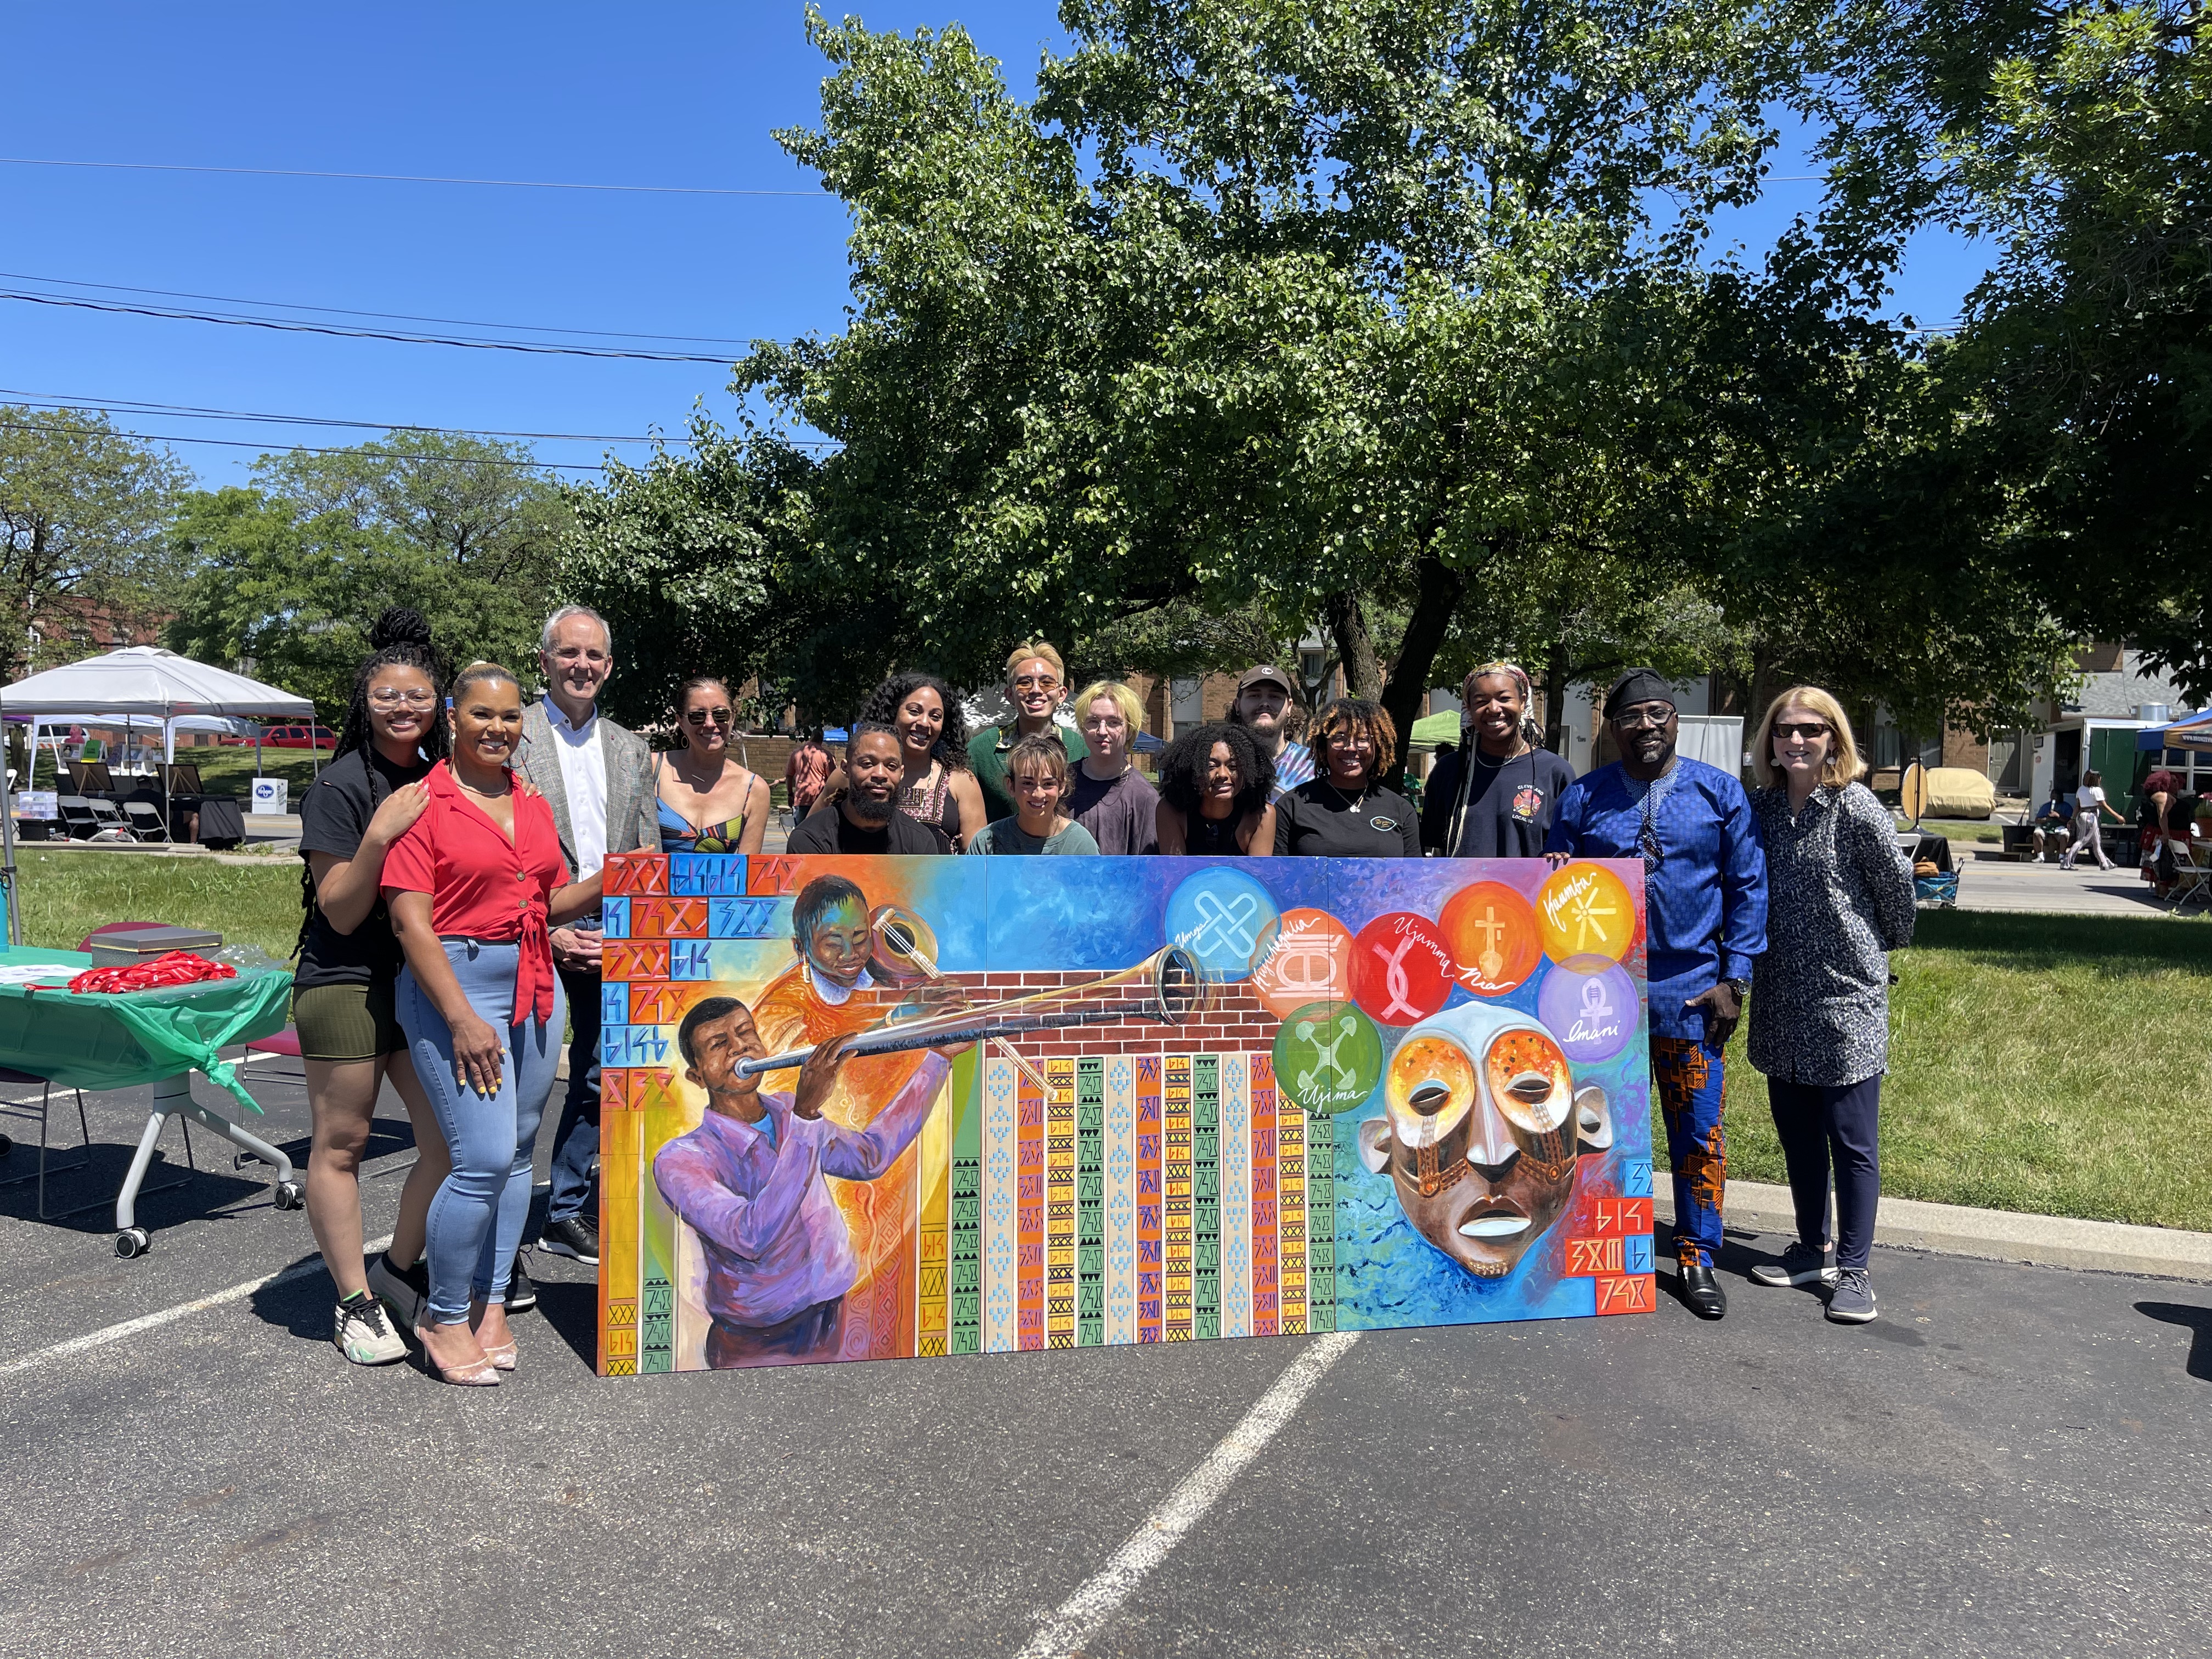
x=1166, y=987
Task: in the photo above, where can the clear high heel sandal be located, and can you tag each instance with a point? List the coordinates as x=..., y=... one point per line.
x=477, y=1374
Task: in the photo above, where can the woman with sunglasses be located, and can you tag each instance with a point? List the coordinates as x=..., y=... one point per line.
x=707, y=802
x=1839, y=899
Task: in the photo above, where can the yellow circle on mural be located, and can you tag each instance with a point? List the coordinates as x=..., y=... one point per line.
x=1585, y=911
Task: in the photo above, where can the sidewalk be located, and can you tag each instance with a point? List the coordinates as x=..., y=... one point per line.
x=1994, y=884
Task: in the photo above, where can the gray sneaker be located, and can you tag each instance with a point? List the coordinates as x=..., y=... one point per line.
x=359, y=1331
x=1851, y=1303
x=1799, y=1266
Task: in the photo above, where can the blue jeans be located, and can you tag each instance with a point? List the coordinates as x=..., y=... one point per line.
x=477, y=1215
x=576, y=1142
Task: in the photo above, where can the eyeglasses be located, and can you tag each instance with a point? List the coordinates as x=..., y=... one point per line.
x=390, y=697
x=1035, y=683
x=1806, y=729
x=1654, y=715
x=708, y=716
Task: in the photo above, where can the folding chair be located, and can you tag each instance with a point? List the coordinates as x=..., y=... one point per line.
x=78, y=817
x=108, y=819
x=145, y=821
x=11, y=1079
x=2193, y=879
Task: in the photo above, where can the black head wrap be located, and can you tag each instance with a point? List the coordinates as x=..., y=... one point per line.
x=1637, y=685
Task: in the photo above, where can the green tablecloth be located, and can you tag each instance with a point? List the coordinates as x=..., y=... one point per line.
x=143, y=1036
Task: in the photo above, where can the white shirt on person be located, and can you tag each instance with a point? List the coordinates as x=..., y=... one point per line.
x=584, y=780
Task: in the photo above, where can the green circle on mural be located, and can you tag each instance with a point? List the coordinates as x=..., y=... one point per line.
x=1328, y=1057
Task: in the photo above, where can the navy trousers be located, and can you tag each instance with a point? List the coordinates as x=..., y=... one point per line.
x=1824, y=1126
x=576, y=1142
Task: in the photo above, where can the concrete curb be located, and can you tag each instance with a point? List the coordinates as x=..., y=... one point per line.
x=1991, y=1235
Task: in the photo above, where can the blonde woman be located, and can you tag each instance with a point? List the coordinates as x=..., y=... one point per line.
x=1839, y=898
x=1110, y=797
x=1037, y=680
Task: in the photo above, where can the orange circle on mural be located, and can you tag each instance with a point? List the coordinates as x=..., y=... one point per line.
x=1585, y=911
x=1493, y=938
x=1306, y=960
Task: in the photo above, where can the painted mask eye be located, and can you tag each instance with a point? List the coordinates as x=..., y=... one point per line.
x=1430, y=1087
x=1529, y=1082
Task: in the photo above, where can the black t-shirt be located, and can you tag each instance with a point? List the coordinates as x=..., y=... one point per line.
x=1509, y=805
x=1317, y=820
x=333, y=818
x=825, y=830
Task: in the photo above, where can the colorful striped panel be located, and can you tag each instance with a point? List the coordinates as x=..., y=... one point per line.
x=965, y=1245
x=1001, y=1150
x=1028, y=1216
x=1205, y=1195
x=1235, y=1196
x=1321, y=1223
x=1291, y=1210
x=1151, y=1268
x=1059, y=1204
x=1090, y=1202
x=1175, y=1183
x=932, y=1177
x=1267, y=1303
x=622, y=1155
x=1121, y=1207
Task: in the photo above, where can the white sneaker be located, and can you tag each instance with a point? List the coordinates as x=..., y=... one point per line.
x=359, y=1331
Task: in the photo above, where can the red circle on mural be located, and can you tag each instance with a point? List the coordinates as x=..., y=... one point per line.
x=1402, y=971
x=1493, y=934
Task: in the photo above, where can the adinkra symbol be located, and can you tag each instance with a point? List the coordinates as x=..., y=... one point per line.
x=1325, y=1054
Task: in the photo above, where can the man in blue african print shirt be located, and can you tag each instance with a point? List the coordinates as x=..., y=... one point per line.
x=1704, y=891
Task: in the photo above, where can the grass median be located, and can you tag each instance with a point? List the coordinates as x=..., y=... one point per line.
x=2057, y=1064
x=65, y=896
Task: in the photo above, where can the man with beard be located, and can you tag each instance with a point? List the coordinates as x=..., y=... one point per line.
x=866, y=818
x=1704, y=893
x=1264, y=706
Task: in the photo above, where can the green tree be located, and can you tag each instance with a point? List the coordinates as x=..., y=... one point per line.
x=290, y=574
x=82, y=508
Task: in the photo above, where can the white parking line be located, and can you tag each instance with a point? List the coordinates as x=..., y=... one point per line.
x=1097, y=1598
x=100, y=1338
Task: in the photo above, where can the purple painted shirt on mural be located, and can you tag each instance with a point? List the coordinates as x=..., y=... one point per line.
x=774, y=1238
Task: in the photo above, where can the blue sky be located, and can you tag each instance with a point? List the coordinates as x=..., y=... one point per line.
x=545, y=91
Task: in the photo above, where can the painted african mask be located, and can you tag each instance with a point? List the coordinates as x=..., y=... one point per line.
x=1480, y=1130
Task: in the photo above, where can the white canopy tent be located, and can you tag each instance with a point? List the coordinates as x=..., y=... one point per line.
x=138, y=683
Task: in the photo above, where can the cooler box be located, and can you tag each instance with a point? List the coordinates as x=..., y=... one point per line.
x=130, y=945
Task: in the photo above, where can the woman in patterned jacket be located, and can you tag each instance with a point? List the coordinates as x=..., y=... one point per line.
x=1839, y=898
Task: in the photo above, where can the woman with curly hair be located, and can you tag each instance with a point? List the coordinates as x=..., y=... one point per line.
x=1343, y=811
x=939, y=789
x=342, y=992
x=1214, y=788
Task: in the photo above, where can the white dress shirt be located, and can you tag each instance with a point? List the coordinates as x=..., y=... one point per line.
x=584, y=780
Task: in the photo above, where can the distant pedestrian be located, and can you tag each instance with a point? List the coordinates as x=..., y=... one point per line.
x=1344, y=811
x=2162, y=828
x=2090, y=808
x=1214, y=789
x=1036, y=681
x=804, y=774
x=1839, y=900
x=1110, y=797
x=1494, y=798
x=2054, y=827
x=1036, y=776
x=1266, y=706
x=1705, y=889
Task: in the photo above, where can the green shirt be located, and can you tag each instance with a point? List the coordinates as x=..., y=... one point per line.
x=1007, y=836
x=986, y=758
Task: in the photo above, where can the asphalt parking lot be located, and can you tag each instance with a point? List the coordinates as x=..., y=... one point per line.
x=2014, y=1460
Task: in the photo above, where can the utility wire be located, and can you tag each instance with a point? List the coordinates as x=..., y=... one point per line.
x=404, y=178
x=310, y=449
x=385, y=316
x=289, y=326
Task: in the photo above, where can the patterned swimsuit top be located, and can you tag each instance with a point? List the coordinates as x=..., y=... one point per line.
x=926, y=802
x=680, y=835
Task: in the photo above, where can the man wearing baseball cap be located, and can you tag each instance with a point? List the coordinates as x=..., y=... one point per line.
x=1265, y=700
x=1704, y=902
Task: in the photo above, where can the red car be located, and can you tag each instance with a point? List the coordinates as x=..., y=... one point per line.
x=300, y=737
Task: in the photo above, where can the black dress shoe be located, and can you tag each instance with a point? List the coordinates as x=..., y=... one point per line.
x=522, y=1294
x=1701, y=1291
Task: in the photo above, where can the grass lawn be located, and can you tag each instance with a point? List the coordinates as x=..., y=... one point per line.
x=65, y=896
x=1971, y=829
x=2052, y=1063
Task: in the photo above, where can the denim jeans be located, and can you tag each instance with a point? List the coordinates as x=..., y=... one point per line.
x=477, y=1215
x=576, y=1142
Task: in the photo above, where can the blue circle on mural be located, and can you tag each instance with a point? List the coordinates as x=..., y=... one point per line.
x=1588, y=1003
x=1221, y=916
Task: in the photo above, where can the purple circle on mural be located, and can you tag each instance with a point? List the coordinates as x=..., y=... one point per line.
x=1590, y=1005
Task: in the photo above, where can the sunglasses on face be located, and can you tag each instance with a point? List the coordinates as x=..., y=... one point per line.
x=1035, y=683
x=1806, y=729
x=708, y=716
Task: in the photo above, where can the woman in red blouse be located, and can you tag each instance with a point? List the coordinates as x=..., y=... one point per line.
x=473, y=888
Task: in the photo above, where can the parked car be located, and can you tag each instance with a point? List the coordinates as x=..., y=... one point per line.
x=300, y=737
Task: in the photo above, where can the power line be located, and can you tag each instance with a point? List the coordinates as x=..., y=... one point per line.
x=308, y=449
x=200, y=412
x=405, y=178
x=387, y=316
x=286, y=325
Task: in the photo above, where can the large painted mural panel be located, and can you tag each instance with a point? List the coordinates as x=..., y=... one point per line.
x=863, y=1109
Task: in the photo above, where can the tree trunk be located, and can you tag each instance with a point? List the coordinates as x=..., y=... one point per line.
x=1355, y=646
x=1437, y=589
x=1557, y=672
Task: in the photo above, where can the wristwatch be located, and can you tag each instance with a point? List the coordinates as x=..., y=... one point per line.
x=1740, y=986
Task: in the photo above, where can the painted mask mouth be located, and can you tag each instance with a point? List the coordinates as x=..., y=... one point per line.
x=1496, y=1224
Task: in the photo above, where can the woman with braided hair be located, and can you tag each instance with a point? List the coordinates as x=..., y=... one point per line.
x=342, y=997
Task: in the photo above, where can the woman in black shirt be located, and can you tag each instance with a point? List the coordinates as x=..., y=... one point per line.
x=1494, y=798
x=1214, y=785
x=349, y=1035
x=1345, y=812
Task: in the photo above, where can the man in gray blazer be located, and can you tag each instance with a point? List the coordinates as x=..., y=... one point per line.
x=598, y=778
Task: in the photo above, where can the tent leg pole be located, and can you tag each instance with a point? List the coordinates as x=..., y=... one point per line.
x=8, y=863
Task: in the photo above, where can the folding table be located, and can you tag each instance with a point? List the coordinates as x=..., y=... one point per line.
x=160, y=1037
